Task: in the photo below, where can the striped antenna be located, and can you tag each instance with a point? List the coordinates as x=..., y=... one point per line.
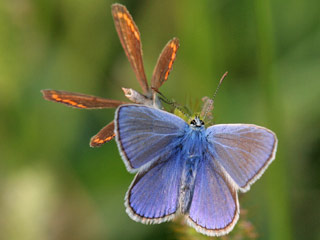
x=209, y=102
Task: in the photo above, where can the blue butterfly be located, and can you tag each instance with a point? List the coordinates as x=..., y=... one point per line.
x=187, y=168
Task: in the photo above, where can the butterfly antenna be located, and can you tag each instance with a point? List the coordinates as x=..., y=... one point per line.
x=163, y=98
x=221, y=79
x=209, y=102
x=170, y=102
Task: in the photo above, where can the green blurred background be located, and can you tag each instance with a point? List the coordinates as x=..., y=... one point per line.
x=54, y=186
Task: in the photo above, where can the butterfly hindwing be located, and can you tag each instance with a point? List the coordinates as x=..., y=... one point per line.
x=144, y=134
x=243, y=150
x=214, y=208
x=154, y=193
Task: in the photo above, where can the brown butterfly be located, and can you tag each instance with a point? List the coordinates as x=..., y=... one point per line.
x=129, y=35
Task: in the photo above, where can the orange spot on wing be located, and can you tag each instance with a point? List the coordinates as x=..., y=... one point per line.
x=173, y=56
x=101, y=141
x=69, y=102
x=55, y=96
x=129, y=23
x=109, y=138
x=81, y=106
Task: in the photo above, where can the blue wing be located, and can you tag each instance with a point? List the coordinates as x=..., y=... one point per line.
x=144, y=133
x=214, y=208
x=243, y=150
x=154, y=193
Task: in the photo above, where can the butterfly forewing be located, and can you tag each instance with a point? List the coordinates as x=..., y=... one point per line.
x=79, y=100
x=130, y=39
x=106, y=134
x=164, y=64
x=243, y=150
x=143, y=133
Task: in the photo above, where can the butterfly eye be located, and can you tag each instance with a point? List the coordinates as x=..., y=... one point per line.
x=193, y=122
x=202, y=122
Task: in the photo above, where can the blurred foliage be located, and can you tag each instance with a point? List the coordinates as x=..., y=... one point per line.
x=54, y=186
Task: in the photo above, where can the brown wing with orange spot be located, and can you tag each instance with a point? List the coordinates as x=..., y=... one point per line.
x=164, y=64
x=104, y=135
x=129, y=36
x=78, y=100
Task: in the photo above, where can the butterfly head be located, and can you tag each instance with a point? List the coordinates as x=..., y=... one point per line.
x=197, y=123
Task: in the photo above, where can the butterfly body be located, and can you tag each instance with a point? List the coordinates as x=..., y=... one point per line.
x=189, y=169
x=193, y=149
